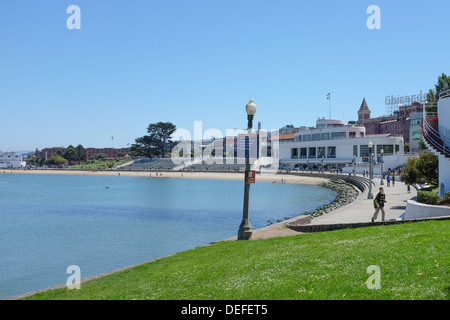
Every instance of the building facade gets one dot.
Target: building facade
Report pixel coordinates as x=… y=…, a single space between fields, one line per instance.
x=331 y=143
x=11 y=160
x=396 y=124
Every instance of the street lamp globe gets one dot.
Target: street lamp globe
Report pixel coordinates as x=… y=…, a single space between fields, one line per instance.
x=250 y=108
x=370 y=145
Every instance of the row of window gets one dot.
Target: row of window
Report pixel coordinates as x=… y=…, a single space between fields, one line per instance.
x=313 y=152
x=326 y=136
x=330 y=152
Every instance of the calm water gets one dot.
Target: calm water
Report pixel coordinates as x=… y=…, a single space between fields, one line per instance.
x=101 y=223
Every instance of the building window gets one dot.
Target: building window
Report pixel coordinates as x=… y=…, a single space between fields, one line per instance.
x=388 y=149
x=321 y=152
x=338 y=135
x=415 y=135
x=306 y=137
x=325 y=136
x=294 y=153
x=355 y=150
x=352 y=134
x=331 y=152
x=316 y=137
x=303 y=153
x=312 y=152
x=364 y=152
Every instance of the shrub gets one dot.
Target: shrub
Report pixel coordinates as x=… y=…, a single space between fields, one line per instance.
x=427 y=197
x=445 y=200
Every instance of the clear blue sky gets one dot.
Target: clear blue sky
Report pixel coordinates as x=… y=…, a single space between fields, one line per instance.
x=137 y=62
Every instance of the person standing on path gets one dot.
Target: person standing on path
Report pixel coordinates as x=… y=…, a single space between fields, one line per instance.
x=378 y=203
x=393 y=179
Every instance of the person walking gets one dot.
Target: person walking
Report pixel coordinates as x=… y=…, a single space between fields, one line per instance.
x=378 y=204
x=393 y=179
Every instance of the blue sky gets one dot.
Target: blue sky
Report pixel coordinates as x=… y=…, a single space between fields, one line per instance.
x=138 y=62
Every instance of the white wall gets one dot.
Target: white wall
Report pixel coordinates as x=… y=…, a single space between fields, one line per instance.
x=416 y=210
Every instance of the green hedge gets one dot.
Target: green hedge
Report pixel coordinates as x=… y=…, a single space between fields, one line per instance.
x=427 y=197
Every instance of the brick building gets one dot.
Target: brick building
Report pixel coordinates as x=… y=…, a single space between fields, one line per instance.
x=396 y=124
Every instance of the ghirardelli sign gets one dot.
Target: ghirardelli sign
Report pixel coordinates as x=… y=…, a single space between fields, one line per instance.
x=406 y=100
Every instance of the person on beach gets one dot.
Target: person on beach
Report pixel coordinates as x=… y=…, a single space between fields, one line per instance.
x=388 y=179
x=378 y=204
x=393 y=179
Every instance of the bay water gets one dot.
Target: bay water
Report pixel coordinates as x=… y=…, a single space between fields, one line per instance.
x=102 y=223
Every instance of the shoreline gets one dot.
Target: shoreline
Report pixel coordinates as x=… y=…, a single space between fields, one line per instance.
x=271 y=177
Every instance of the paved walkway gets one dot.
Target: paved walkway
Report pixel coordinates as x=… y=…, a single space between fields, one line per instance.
x=360 y=210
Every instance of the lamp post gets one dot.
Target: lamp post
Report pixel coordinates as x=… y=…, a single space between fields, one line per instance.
x=323 y=171
x=245 y=229
x=382 y=182
x=354 y=164
x=370 y=195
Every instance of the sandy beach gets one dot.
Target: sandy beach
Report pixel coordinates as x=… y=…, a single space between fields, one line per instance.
x=177 y=174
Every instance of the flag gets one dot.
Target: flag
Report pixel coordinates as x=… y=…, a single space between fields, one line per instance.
x=328 y=96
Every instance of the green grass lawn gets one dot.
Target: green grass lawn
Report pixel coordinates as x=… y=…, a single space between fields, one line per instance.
x=413 y=259
x=100 y=164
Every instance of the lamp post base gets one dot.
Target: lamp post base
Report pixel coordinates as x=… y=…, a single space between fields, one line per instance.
x=244 y=234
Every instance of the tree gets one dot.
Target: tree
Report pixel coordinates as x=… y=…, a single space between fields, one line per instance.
x=421 y=170
x=427 y=167
x=81 y=152
x=70 y=154
x=56 y=161
x=409 y=174
x=154 y=144
x=442 y=85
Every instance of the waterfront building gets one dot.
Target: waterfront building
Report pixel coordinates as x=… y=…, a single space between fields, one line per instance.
x=11 y=160
x=332 y=144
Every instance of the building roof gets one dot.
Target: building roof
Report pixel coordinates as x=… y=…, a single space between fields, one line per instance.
x=283 y=137
x=363 y=105
x=380 y=135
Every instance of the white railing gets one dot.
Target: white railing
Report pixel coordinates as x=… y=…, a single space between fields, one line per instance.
x=440 y=142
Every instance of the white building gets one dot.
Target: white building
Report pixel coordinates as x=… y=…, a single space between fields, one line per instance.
x=331 y=143
x=11 y=160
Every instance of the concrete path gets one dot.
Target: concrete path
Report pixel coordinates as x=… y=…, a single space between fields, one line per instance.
x=361 y=210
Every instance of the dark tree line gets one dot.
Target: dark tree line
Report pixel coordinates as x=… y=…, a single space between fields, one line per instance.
x=154 y=144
